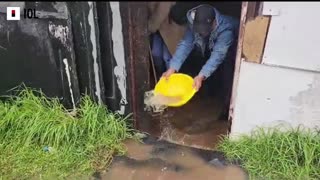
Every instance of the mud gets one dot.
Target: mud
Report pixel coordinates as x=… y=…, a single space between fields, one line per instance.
x=160 y=160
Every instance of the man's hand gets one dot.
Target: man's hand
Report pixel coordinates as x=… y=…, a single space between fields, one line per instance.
x=168 y=73
x=197 y=82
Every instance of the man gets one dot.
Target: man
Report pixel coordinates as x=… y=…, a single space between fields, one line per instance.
x=215 y=35
x=166 y=23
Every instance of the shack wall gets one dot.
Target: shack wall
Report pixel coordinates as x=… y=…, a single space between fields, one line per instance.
x=284 y=87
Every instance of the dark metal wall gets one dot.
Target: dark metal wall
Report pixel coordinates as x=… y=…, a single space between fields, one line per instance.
x=66 y=52
x=36 y=52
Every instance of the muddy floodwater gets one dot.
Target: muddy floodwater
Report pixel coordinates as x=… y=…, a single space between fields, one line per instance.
x=198 y=123
x=160 y=160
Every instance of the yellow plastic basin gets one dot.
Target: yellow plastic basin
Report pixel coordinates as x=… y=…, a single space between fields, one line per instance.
x=178 y=85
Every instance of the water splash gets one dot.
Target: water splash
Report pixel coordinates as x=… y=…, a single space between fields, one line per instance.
x=157 y=102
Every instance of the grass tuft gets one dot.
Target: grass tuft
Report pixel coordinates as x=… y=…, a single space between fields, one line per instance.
x=275 y=154
x=79 y=144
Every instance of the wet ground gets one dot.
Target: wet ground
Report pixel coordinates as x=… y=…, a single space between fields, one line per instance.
x=184 y=148
x=160 y=160
x=197 y=124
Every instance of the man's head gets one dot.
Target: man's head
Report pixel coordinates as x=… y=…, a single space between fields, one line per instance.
x=203 y=20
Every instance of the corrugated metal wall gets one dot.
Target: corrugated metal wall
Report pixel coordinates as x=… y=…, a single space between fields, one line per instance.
x=72 y=49
x=39 y=52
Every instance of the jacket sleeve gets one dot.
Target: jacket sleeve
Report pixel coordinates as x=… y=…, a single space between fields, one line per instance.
x=218 y=53
x=183 y=50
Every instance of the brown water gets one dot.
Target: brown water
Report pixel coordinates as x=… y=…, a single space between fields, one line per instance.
x=159 y=166
x=163 y=100
x=158 y=102
x=196 y=124
x=137 y=150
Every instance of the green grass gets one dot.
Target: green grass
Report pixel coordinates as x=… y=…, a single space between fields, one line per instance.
x=274 y=154
x=81 y=144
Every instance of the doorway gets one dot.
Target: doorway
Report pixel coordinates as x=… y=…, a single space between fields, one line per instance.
x=202 y=121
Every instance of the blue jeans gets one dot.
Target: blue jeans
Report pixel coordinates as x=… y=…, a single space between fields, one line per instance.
x=160 y=53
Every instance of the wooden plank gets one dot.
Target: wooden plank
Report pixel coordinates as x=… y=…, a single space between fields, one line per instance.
x=171 y=34
x=158 y=13
x=158 y=20
x=254 y=38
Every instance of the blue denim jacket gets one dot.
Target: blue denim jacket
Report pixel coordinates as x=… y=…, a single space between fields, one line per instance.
x=221 y=38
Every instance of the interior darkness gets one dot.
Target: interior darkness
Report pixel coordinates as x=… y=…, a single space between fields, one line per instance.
x=204 y=114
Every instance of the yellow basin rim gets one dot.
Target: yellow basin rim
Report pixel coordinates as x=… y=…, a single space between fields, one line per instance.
x=178 y=85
